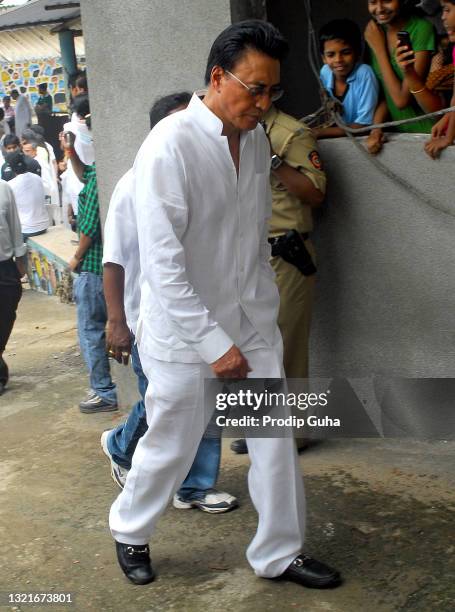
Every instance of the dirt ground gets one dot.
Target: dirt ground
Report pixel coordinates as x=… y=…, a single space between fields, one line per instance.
x=381 y=511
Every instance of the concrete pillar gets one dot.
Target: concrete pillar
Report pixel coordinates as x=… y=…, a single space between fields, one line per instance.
x=68 y=52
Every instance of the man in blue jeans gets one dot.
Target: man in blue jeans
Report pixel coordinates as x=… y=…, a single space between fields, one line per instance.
x=88 y=287
x=121 y=287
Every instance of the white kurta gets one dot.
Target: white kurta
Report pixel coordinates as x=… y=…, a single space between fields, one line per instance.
x=206 y=283
x=23 y=114
x=203 y=238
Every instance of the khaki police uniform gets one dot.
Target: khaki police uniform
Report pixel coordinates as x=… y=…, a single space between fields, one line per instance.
x=296 y=145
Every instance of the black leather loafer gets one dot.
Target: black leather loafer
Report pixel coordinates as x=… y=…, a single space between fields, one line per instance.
x=135 y=562
x=239 y=446
x=311 y=573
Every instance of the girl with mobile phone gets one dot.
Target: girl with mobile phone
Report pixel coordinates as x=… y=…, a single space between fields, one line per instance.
x=401 y=70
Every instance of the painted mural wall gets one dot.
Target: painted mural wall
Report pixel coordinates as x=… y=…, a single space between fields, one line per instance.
x=47 y=273
x=25 y=76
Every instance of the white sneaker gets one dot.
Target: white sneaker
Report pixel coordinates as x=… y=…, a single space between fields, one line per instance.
x=214 y=502
x=118 y=472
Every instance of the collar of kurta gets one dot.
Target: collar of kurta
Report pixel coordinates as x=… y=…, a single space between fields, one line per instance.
x=203 y=116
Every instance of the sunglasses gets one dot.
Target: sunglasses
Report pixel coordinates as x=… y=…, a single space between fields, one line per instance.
x=258 y=91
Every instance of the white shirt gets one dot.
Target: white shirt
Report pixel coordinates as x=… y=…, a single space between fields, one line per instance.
x=121 y=245
x=83 y=144
x=29 y=195
x=202 y=236
x=71 y=187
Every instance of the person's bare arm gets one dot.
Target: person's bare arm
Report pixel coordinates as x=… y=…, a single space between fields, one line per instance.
x=299 y=185
x=67 y=140
x=375 y=140
x=334 y=131
x=85 y=243
x=428 y=100
x=118 y=335
x=442 y=134
x=398 y=90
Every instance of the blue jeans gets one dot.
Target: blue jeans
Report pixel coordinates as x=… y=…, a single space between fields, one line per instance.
x=91 y=323
x=122 y=442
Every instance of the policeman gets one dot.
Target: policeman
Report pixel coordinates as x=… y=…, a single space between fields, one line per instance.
x=298 y=185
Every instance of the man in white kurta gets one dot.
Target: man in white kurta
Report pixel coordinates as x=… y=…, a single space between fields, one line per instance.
x=23 y=112
x=209 y=306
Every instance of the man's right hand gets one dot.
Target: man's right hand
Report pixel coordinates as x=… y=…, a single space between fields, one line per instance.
x=118 y=341
x=231 y=365
x=67 y=140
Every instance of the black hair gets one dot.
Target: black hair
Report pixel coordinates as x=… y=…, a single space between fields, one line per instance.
x=165 y=105
x=81 y=81
x=73 y=78
x=81 y=106
x=6 y=98
x=341 y=29
x=16 y=159
x=411 y=7
x=14 y=92
x=29 y=136
x=42 y=86
x=239 y=37
x=38 y=129
x=11 y=139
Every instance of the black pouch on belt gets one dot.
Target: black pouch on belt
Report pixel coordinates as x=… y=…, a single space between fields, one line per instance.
x=292 y=249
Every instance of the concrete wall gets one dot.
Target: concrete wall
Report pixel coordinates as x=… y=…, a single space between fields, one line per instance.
x=386 y=290
x=162 y=46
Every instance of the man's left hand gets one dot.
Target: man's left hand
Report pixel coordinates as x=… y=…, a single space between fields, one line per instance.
x=21 y=266
x=73 y=263
x=118 y=341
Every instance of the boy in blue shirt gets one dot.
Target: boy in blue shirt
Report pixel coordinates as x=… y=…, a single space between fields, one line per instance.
x=345 y=77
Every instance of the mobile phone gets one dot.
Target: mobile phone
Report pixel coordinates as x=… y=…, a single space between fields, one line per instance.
x=405 y=40
x=68 y=136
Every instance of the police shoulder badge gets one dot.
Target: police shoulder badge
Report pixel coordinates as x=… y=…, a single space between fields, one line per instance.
x=315 y=159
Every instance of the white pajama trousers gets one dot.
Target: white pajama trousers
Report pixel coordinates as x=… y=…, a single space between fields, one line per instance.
x=164 y=455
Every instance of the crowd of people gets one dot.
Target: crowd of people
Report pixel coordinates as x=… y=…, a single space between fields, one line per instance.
x=197 y=279
x=35 y=191
x=402 y=70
